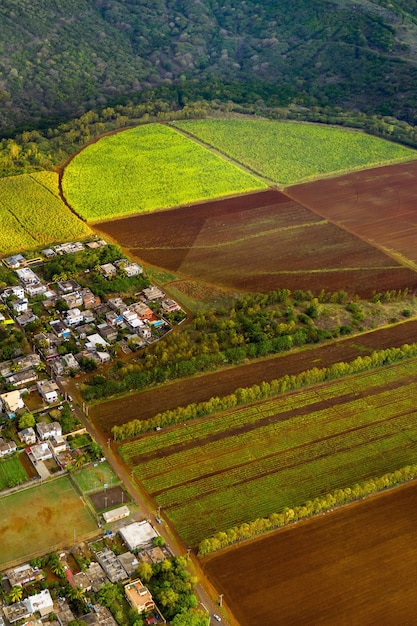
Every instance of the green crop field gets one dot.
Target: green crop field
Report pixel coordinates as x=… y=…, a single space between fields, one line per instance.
x=41 y=519
x=93 y=477
x=146 y=168
x=291 y=152
x=32 y=214
x=236 y=466
x=11 y=472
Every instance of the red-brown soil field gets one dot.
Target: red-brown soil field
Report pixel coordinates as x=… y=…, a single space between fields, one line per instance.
x=259 y=242
x=378 y=205
x=200 y=388
x=356 y=565
x=107 y=498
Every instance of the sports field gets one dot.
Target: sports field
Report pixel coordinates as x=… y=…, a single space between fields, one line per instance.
x=149 y=167
x=290 y=152
x=32 y=214
x=42 y=518
x=93 y=477
x=233 y=467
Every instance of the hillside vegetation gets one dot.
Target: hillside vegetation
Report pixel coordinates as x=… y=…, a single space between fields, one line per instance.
x=59 y=59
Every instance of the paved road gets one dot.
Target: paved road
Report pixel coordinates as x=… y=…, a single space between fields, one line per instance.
x=204 y=591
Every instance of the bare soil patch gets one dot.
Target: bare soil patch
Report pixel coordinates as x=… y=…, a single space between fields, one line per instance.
x=259 y=242
x=200 y=388
x=355 y=565
x=377 y=205
x=108 y=497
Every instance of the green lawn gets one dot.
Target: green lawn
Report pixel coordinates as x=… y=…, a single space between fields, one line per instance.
x=32 y=214
x=12 y=472
x=42 y=519
x=93 y=477
x=247 y=463
x=149 y=167
x=291 y=152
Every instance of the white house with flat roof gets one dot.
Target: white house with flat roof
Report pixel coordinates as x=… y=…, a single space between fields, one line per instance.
x=48 y=390
x=11 y=401
x=41 y=602
x=138 y=534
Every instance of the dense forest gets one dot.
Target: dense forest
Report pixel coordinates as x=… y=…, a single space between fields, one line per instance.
x=59 y=59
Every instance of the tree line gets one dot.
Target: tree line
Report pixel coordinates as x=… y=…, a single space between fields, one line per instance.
x=264 y=390
x=321 y=504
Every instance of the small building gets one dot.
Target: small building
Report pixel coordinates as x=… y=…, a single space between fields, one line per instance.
x=96 y=576
x=48 y=253
x=48 y=390
x=26 y=318
x=40 y=602
x=36 y=290
x=68 y=286
x=46 y=431
x=11 y=401
x=130 y=269
x=20 y=306
x=17 y=291
x=113 y=516
x=39 y=452
x=70 y=362
x=15 y=261
x=138 y=534
x=19 y=379
x=95 y=340
x=99 y=616
x=27 y=276
x=129 y=562
x=117 y=304
x=81 y=581
x=109 y=333
x=113 y=568
x=27 y=436
x=169 y=306
x=153 y=293
x=73 y=299
x=16 y=612
x=139 y=596
x=60 y=329
x=89 y=299
x=7 y=447
x=19 y=576
x=109 y=270
x=58 y=444
x=74 y=317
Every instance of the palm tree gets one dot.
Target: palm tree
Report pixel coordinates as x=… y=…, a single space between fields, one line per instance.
x=15 y=594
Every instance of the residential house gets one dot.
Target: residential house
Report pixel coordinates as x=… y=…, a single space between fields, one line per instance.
x=20 y=306
x=145 y=332
x=89 y=316
x=58 y=444
x=46 y=431
x=28 y=361
x=40 y=603
x=74 y=317
x=153 y=293
x=113 y=319
x=20 y=379
x=69 y=248
x=83 y=330
x=16 y=612
x=89 y=299
x=69 y=362
x=107 y=332
x=96 y=576
x=36 y=290
x=139 y=596
x=27 y=436
x=129 y=562
x=15 y=261
x=138 y=534
x=132 y=320
x=17 y=291
x=39 y=452
x=48 y=390
x=100 y=616
x=11 y=401
x=169 y=306
x=7 y=447
x=117 y=304
x=73 y=299
x=130 y=269
x=109 y=270
x=95 y=340
x=26 y=318
x=19 y=576
x=93 y=245
x=68 y=286
x=111 y=565
x=59 y=329
x=27 y=276
x=49 y=253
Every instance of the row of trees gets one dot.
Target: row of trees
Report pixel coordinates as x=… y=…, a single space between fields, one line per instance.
x=265 y=390
x=321 y=504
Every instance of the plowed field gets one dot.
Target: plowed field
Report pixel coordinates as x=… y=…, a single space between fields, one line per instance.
x=259 y=242
x=198 y=389
x=356 y=565
x=378 y=205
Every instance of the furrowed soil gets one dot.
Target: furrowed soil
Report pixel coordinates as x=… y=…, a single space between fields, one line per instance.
x=355 y=565
x=377 y=205
x=148 y=403
x=259 y=242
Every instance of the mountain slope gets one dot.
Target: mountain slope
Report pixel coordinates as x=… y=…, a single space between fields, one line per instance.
x=62 y=58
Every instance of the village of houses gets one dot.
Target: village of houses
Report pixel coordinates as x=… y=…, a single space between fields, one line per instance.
x=44 y=317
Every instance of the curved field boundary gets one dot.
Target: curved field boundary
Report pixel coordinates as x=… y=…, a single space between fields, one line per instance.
x=147 y=168
x=292 y=152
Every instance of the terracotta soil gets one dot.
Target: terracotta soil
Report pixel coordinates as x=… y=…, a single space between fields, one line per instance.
x=258 y=242
x=200 y=388
x=355 y=565
x=378 y=205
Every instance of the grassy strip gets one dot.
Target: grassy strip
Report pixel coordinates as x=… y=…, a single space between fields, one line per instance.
x=11 y=473
x=290 y=152
x=322 y=504
x=146 y=168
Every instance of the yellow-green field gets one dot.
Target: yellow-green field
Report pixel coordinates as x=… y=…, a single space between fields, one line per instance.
x=146 y=168
x=291 y=152
x=32 y=214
